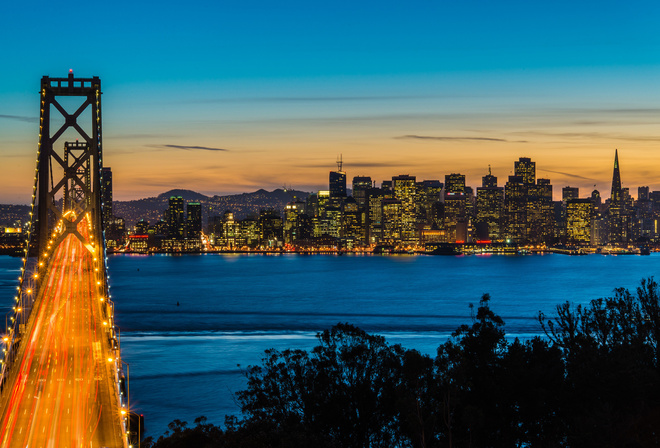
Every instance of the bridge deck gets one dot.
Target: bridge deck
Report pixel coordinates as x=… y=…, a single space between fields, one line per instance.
x=62 y=389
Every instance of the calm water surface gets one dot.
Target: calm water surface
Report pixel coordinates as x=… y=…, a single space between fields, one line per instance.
x=184 y=359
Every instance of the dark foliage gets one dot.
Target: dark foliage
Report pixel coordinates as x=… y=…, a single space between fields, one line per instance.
x=594 y=381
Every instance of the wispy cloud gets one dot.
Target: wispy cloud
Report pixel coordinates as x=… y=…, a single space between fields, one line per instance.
x=443 y=138
x=136 y=136
x=316 y=99
x=189 y=147
x=593 y=135
x=575 y=176
x=20 y=118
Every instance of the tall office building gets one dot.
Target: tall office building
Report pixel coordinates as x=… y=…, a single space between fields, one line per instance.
x=515 y=206
x=351 y=231
x=106 y=195
x=338 y=181
x=429 y=192
x=570 y=193
x=337 y=184
x=194 y=220
x=374 y=214
x=618 y=218
x=489 y=208
x=175 y=218
x=455 y=210
x=391 y=221
x=540 y=212
x=360 y=186
x=579 y=213
x=616 y=195
x=405 y=190
x=454 y=183
x=526 y=169
x=292 y=222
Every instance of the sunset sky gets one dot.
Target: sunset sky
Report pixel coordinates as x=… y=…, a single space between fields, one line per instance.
x=231 y=96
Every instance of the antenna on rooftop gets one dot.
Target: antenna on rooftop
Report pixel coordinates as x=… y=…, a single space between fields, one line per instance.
x=339 y=162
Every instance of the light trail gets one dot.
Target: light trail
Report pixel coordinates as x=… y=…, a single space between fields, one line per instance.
x=61 y=391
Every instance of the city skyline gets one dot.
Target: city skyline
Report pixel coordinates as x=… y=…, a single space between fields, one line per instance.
x=225 y=99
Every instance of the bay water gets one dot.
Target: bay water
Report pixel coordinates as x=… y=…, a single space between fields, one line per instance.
x=190 y=324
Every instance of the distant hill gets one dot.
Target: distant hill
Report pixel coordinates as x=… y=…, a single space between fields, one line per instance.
x=241 y=205
x=187 y=195
x=152 y=208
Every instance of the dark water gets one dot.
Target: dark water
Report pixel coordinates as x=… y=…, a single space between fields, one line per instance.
x=183 y=359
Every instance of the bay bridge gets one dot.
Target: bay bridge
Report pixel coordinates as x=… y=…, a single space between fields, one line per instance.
x=62 y=379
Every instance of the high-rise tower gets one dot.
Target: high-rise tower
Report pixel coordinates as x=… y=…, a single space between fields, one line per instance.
x=338 y=181
x=526 y=169
x=106 y=195
x=617 y=192
x=619 y=223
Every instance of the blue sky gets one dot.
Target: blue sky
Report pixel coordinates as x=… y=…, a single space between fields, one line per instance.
x=284 y=87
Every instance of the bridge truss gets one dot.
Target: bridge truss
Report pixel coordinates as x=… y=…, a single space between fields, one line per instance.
x=66 y=206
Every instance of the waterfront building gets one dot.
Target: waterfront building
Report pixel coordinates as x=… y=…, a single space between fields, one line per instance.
x=270 y=228
x=352 y=233
x=138 y=243
x=106 y=195
x=374 y=214
x=160 y=227
x=292 y=221
x=320 y=205
x=540 y=212
x=455 y=220
x=455 y=217
x=644 y=224
x=515 y=209
x=579 y=213
x=391 y=221
x=227 y=231
x=194 y=220
x=142 y=227
x=489 y=209
x=405 y=190
x=249 y=234
x=429 y=192
x=175 y=218
x=115 y=233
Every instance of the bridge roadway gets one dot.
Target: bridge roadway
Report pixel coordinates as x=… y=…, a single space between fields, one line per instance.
x=61 y=390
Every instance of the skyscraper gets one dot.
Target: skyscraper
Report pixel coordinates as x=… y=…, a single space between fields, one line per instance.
x=360 y=186
x=405 y=190
x=454 y=183
x=490 y=204
x=579 y=213
x=338 y=181
x=175 y=218
x=618 y=218
x=570 y=193
x=194 y=220
x=526 y=169
x=616 y=196
x=106 y=195
x=515 y=206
